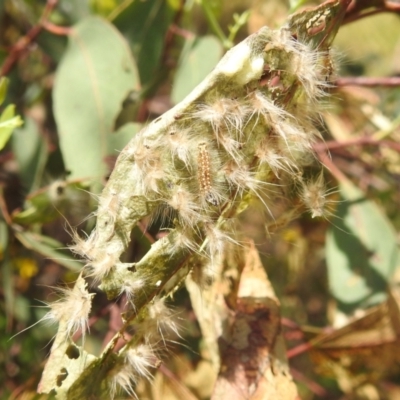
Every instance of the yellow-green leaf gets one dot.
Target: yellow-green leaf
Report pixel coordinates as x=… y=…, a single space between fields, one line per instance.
x=3 y=89
x=8 y=122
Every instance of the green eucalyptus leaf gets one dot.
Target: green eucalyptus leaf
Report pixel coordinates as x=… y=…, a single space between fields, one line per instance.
x=145 y=24
x=40 y=206
x=122 y=136
x=361 y=251
x=49 y=248
x=199 y=57
x=50 y=202
x=30 y=151
x=95 y=76
x=22 y=309
x=75 y=10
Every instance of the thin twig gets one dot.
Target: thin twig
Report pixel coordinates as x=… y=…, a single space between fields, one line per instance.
x=176 y=30
x=56 y=29
x=215 y=25
x=3 y=208
x=23 y=43
x=299 y=349
x=150 y=296
x=387 y=81
x=361 y=141
x=146 y=234
x=176 y=382
x=357 y=11
x=344 y=4
x=334 y=170
x=311 y=385
x=172 y=31
x=119 y=9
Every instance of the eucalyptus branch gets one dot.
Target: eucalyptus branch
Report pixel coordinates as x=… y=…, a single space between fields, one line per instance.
x=24 y=42
x=247 y=126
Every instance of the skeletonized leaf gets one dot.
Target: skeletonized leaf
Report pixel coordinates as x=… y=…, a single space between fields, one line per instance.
x=125 y=201
x=67 y=361
x=240 y=320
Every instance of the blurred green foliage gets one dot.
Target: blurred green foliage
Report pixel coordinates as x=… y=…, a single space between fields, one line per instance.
x=8 y=120
x=90 y=76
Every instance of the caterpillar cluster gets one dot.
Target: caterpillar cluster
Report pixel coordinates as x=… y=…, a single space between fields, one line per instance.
x=247 y=129
x=228 y=143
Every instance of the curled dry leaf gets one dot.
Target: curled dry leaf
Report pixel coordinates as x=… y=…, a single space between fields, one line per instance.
x=363 y=351
x=240 y=312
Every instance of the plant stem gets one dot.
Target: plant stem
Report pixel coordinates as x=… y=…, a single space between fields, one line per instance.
x=215 y=25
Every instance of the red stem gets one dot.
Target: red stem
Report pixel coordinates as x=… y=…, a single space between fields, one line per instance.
x=56 y=29
x=361 y=141
x=311 y=385
x=23 y=43
x=356 y=10
x=388 y=81
x=332 y=168
x=300 y=349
